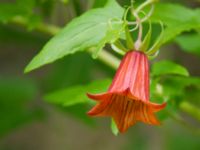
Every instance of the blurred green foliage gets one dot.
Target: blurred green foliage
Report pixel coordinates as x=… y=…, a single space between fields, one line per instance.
x=189 y=43
x=16 y=103
x=66 y=81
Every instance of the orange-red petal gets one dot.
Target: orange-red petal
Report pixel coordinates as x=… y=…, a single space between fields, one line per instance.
x=127 y=99
x=132 y=74
x=125 y=111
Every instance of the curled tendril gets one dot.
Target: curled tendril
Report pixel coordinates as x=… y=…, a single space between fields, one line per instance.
x=119 y=48
x=139 y=21
x=154 y=55
x=115 y=20
x=135 y=28
x=137 y=24
x=140 y=30
x=147 y=16
x=126 y=13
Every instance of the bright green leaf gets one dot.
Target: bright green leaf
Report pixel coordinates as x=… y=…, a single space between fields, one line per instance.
x=114 y=128
x=77 y=94
x=113 y=33
x=175 y=14
x=82 y=33
x=177 y=18
x=172 y=32
x=99 y=3
x=168 y=67
x=189 y=43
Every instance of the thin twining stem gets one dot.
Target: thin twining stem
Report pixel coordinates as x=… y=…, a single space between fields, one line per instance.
x=139 y=39
x=147 y=16
x=143 y=5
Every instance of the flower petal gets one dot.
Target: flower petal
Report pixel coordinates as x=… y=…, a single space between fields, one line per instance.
x=97 y=97
x=125 y=111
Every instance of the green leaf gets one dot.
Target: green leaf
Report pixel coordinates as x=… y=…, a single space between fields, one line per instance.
x=79 y=112
x=189 y=43
x=165 y=85
x=173 y=14
x=61 y=78
x=99 y=3
x=168 y=67
x=113 y=33
x=174 y=89
x=81 y=34
x=179 y=82
x=77 y=94
x=114 y=128
x=172 y=32
x=177 y=18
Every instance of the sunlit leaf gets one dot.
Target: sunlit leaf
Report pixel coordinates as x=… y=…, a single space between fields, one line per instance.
x=113 y=33
x=168 y=67
x=99 y=3
x=76 y=94
x=189 y=43
x=177 y=18
x=82 y=33
x=174 y=14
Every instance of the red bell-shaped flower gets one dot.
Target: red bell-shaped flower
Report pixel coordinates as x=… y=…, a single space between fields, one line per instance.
x=127 y=99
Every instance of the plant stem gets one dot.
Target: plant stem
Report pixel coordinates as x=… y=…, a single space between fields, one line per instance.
x=52 y=30
x=139 y=39
x=42 y=27
x=190 y=109
x=103 y=56
x=109 y=59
